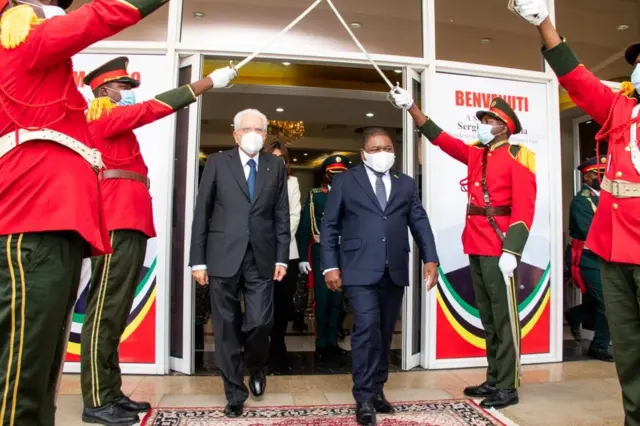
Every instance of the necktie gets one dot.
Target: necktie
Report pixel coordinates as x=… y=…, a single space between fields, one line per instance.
x=381 y=192
x=251 y=181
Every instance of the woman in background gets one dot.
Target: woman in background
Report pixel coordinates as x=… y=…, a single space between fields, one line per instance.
x=283 y=291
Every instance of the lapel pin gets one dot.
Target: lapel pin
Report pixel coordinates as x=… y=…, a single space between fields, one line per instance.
x=395 y=176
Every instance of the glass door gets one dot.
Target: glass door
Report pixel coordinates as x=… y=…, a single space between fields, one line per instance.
x=187 y=145
x=412 y=317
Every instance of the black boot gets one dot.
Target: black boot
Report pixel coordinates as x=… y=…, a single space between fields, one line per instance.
x=600 y=354
x=135 y=407
x=480 y=391
x=365 y=414
x=109 y=415
x=501 y=399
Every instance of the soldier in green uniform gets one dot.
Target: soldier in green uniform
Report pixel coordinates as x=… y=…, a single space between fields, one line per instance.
x=328 y=304
x=585 y=265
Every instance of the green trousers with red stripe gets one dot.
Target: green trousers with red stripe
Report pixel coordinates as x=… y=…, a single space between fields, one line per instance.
x=39 y=278
x=114 y=279
x=492 y=301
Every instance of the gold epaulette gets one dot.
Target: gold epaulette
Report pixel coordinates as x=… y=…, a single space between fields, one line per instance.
x=627 y=89
x=16 y=24
x=98 y=107
x=524 y=156
x=585 y=193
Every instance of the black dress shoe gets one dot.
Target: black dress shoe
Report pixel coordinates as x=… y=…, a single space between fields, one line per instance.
x=381 y=404
x=574 y=327
x=257 y=383
x=109 y=415
x=233 y=410
x=501 y=399
x=365 y=414
x=299 y=326
x=600 y=354
x=136 y=407
x=481 y=391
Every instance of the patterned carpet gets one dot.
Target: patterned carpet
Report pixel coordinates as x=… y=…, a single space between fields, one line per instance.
x=459 y=412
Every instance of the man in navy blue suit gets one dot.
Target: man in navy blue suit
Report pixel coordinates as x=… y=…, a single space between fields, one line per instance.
x=365 y=251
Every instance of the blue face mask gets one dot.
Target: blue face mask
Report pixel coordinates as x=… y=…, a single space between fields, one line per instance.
x=484 y=133
x=127 y=97
x=635 y=78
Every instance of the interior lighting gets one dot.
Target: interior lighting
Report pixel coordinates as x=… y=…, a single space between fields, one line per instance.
x=355 y=25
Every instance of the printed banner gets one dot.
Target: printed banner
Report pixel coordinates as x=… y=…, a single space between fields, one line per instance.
x=459 y=330
x=138 y=343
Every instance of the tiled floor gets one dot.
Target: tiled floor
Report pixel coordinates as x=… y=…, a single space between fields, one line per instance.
x=584 y=393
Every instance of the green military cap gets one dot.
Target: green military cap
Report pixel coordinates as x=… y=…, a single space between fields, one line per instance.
x=593 y=164
x=336 y=164
x=113 y=71
x=501 y=110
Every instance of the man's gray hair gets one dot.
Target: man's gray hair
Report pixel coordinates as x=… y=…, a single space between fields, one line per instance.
x=237 y=120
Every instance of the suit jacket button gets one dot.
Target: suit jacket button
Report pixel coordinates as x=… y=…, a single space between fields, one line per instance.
x=384 y=239
x=384 y=217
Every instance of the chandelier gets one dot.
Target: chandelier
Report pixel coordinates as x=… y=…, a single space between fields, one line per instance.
x=287 y=132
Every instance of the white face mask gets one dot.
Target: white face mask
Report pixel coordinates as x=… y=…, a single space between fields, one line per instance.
x=47 y=10
x=635 y=78
x=251 y=143
x=380 y=162
x=484 y=133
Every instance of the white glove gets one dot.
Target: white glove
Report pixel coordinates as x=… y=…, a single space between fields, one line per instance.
x=507 y=264
x=305 y=268
x=401 y=98
x=222 y=77
x=534 y=11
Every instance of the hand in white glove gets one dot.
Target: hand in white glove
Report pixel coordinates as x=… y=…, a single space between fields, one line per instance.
x=534 y=11
x=222 y=77
x=305 y=267
x=401 y=98
x=507 y=264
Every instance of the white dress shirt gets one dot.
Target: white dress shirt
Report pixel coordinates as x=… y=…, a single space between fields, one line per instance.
x=386 y=179
x=244 y=160
x=295 y=208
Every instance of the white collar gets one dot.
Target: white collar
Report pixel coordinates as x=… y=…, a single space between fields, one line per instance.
x=244 y=158
x=594 y=190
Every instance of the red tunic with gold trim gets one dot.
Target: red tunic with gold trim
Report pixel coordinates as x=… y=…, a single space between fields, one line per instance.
x=45 y=186
x=127 y=202
x=511 y=182
x=617 y=217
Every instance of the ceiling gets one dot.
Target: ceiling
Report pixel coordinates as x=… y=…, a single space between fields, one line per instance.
x=332 y=117
x=394 y=27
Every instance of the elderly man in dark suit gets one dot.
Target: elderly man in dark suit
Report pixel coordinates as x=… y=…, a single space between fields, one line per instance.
x=240 y=244
x=365 y=245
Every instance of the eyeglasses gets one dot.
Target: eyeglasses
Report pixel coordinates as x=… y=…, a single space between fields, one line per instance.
x=258 y=130
x=385 y=148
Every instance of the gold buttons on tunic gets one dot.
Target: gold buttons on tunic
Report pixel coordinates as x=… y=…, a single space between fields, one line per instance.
x=477 y=184
x=615 y=206
x=618 y=174
x=627 y=148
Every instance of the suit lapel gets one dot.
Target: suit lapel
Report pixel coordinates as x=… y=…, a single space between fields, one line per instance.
x=264 y=170
x=237 y=170
x=365 y=183
x=395 y=179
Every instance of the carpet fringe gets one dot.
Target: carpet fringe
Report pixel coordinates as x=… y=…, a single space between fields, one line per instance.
x=504 y=419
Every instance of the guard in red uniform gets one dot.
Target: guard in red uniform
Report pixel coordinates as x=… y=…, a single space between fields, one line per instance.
x=50 y=207
x=618 y=212
x=124 y=185
x=502 y=196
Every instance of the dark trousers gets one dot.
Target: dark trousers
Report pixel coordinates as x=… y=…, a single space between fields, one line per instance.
x=114 y=279
x=621 y=287
x=376 y=309
x=576 y=315
x=229 y=327
x=328 y=305
x=39 y=278
x=491 y=297
x=282 y=307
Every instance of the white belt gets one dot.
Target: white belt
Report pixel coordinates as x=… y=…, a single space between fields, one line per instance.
x=621 y=188
x=91 y=155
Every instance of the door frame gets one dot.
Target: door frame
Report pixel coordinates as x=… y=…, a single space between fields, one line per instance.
x=185 y=364
x=410 y=359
